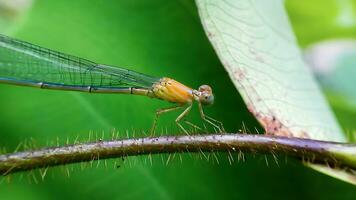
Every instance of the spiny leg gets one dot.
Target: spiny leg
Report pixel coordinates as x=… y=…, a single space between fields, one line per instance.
x=181 y=116
x=196 y=127
x=221 y=125
x=159 y=112
x=210 y=120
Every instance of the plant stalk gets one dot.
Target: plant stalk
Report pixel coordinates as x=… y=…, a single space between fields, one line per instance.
x=340 y=155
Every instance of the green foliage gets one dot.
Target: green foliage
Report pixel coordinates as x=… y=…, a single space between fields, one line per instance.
x=318 y=20
x=322 y=19
x=157 y=37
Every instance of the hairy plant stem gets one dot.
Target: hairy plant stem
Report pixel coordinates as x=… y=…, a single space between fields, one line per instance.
x=339 y=155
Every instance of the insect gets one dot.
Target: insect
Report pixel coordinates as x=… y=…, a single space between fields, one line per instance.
x=25 y=64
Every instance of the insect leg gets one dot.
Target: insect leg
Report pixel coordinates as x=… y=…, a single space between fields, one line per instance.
x=159 y=112
x=211 y=120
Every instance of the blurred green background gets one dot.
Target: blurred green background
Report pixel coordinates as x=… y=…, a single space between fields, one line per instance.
x=160 y=38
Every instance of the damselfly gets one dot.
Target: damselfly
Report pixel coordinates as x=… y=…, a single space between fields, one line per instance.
x=25 y=64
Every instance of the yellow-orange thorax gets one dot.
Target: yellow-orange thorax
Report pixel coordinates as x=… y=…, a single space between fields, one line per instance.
x=172 y=91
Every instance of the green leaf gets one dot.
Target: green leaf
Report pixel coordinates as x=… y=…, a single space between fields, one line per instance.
x=257 y=47
x=333 y=62
x=156 y=37
x=152 y=37
x=318 y=20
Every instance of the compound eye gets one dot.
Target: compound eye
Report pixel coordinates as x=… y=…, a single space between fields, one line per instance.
x=205 y=88
x=207 y=99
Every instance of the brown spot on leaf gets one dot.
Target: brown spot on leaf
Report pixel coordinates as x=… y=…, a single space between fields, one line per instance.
x=239 y=73
x=273 y=126
x=210 y=34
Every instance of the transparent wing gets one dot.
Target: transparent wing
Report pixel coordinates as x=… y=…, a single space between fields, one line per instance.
x=26 y=62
